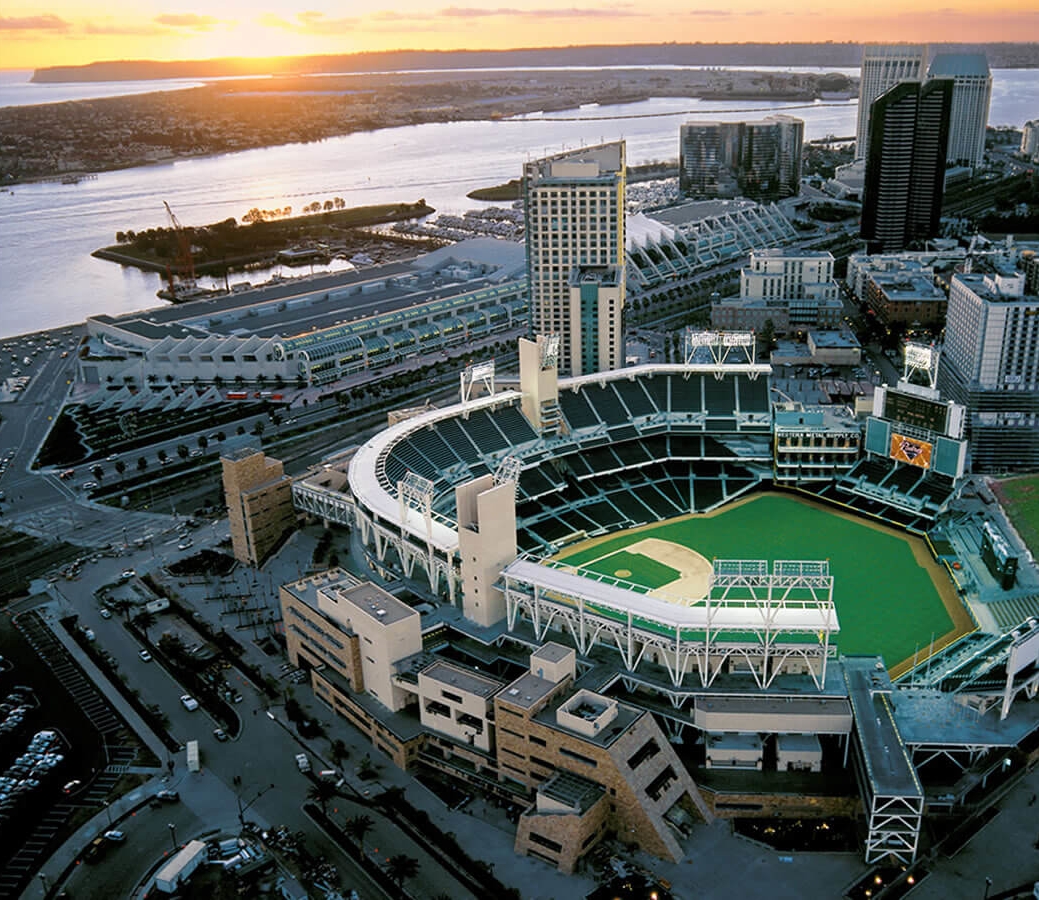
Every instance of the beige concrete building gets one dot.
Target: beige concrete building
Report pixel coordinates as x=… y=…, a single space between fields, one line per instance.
x=355 y=630
x=258 y=494
x=458 y=703
x=486 y=544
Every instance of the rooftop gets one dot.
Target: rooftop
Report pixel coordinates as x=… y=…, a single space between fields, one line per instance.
x=464 y=679
x=949 y=65
x=526 y=690
x=552 y=652
x=373 y=601
x=572 y=790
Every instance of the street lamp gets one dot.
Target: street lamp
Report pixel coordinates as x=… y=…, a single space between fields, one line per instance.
x=988 y=884
x=108 y=809
x=242 y=809
x=173 y=833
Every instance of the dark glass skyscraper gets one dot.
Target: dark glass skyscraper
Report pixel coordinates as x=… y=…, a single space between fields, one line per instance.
x=905 y=164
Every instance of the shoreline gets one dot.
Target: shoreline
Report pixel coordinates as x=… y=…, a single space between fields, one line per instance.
x=222 y=116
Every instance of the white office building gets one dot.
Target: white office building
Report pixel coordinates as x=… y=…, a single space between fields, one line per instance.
x=971 y=96
x=990 y=364
x=884 y=66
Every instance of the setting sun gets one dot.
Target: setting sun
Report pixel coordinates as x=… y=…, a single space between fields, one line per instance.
x=73 y=33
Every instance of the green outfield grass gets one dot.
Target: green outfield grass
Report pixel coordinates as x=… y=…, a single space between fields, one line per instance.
x=886 y=602
x=644 y=569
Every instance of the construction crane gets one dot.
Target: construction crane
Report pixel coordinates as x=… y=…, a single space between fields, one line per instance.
x=184 y=264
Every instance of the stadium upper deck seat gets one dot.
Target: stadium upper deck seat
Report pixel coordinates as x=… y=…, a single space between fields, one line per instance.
x=657 y=391
x=576 y=410
x=635 y=398
x=483 y=432
x=413 y=460
x=432 y=446
x=662 y=506
x=904 y=478
x=753 y=394
x=458 y=440
x=535 y=482
x=632 y=453
x=686 y=394
x=606 y=403
x=719 y=396
x=513 y=424
x=708 y=492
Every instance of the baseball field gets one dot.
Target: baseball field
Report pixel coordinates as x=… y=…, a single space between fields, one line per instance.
x=891 y=597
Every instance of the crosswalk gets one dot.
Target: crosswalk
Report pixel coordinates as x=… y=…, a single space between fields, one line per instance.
x=88 y=526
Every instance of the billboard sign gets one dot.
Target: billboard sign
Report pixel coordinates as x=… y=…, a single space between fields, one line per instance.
x=910 y=450
x=482 y=370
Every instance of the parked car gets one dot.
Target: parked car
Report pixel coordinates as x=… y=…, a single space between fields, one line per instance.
x=116 y=836
x=185 y=544
x=129 y=573
x=167 y=796
x=220 y=734
x=106 y=613
x=190 y=703
x=145 y=655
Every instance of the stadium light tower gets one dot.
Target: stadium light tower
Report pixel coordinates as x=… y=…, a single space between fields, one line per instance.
x=719 y=345
x=477 y=373
x=922 y=359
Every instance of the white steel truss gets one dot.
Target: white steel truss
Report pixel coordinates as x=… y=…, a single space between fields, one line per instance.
x=333 y=506
x=751 y=618
x=894 y=828
x=717 y=347
x=476 y=374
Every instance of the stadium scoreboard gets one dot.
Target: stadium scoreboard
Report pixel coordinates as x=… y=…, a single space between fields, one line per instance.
x=932 y=415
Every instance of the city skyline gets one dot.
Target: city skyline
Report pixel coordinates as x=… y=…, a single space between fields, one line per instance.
x=75 y=32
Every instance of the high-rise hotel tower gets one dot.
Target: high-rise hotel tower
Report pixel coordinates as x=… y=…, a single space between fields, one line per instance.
x=971 y=96
x=575 y=254
x=884 y=66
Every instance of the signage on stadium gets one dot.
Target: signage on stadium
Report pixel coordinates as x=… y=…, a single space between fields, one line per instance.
x=482 y=370
x=910 y=450
x=737 y=339
x=919 y=356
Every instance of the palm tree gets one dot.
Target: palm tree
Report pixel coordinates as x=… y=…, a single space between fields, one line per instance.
x=123 y=605
x=182 y=451
x=120 y=467
x=359 y=826
x=400 y=867
x=321 y=792
x=144 y=620
x=339 y=751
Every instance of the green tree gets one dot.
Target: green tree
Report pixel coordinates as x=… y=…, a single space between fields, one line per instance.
x=401 y=867
x=259 y=428
x=142 y=463
x=163 y=456
x=321 y=792
x=120 y=467
x=182 y=451
x=202 y=442
x=98 y=473
x=358 y=827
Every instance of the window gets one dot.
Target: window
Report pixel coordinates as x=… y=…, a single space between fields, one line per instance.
x=536 y=740
x=447 y=695
x=587 y=760
x=554 y=846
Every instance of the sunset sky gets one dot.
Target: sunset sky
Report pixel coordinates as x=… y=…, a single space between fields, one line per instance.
x=69 y=32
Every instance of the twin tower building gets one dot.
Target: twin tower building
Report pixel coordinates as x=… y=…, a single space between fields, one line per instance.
x=915 y=122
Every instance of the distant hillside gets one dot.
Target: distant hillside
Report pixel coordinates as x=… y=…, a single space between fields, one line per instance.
x=1002 y=55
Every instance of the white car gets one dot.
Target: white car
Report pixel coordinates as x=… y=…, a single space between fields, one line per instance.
x=129 y=573
x=106 y=613
x=190 y=703
x=185 y=544
x=115 y=835
x=145 y=655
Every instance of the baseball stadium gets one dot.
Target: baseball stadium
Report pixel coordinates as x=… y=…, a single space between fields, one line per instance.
x=780 y=589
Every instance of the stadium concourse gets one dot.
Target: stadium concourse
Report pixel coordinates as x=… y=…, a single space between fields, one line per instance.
x=529 y=529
